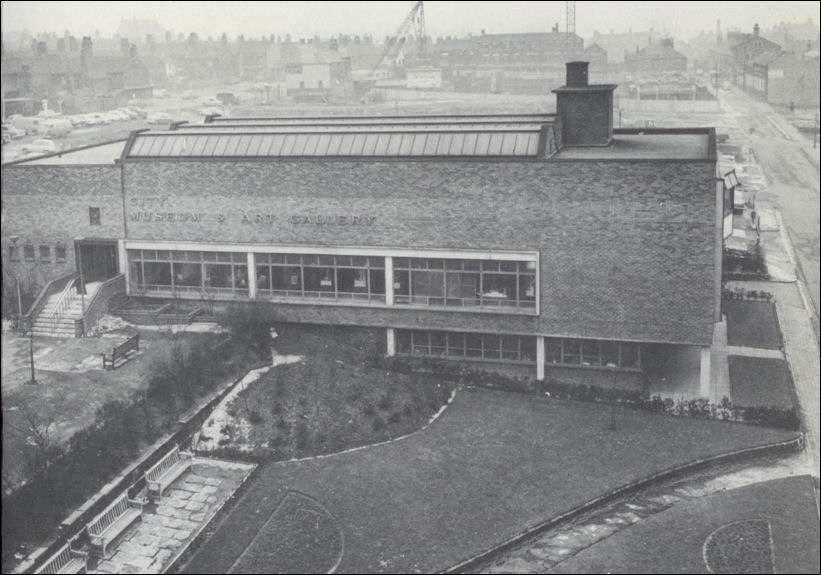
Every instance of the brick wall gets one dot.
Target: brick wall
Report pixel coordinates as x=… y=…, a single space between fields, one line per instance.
x=626 y=247
x=48 y=205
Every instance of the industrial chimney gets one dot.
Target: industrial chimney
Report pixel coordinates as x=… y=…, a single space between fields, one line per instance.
x=586 y=110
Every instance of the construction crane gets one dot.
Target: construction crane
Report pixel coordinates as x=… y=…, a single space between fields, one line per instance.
x=570 y=28
x=412 y=25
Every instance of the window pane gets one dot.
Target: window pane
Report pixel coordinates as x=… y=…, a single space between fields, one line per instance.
x=319 y=279
x=590 y=352
x=437 y=343
x=240 y=277
x=491 y=344
x=352 y=280
x=218 y=276
x=498 y=288
x=429 y=287
x=473 y=345
x=157 y=273
x=609 y=354
x=377 y=282
x=403 y=341
x=630 y=355
x=286 y=278
x=263 y=278
x=45 y=253
x=528 y=348
x=456 y=344
x=553 y=350
x=463 y=288
x=189 y=275
x=401 y=282
x=572 y=351
x=527 y=288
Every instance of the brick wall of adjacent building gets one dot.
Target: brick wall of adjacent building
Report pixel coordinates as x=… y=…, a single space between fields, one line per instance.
x=49 y=206
x=626 y=248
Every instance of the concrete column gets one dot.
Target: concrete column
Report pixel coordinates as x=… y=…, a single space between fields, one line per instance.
x=539 y=358
x=391 y=342
x=122 y=262
x=389 y=285
x=704 y=373
x=252 y=276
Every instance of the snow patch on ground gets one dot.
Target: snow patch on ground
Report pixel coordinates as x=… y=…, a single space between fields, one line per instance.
x=223 y=428
x=108 y=323
x=198 y=327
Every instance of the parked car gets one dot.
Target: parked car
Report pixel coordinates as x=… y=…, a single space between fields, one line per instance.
x=12 y=132
x=159 y=118
x=227 y=98
x=211 y=102
x=28 y=124
x=189 y=95
x=41 y=147
x=138 y=112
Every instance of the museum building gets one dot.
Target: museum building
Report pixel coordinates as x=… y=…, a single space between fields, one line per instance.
x=552 y=242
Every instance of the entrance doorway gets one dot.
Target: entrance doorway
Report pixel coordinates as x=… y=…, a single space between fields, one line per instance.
x=97 y=260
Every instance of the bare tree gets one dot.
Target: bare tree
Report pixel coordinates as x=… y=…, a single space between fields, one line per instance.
x=37 y=427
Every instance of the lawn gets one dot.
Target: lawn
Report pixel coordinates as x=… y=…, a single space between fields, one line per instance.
x=491 y=466
x=769 y=527
x=752 y=324
x=760 y=382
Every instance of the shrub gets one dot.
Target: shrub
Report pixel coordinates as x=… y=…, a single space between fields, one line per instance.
x=378 y=424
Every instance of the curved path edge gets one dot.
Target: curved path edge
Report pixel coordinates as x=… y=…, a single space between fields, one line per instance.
x=793 y=445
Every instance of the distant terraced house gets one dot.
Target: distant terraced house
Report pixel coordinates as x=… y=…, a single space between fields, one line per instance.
x=550 y=245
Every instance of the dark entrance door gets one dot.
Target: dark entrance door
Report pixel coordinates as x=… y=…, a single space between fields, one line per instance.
x=98 y=260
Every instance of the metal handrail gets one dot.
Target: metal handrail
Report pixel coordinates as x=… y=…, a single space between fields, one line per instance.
x=64 y=301
x=40 y=302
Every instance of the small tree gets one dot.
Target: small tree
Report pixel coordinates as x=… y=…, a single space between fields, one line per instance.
x=37 y=427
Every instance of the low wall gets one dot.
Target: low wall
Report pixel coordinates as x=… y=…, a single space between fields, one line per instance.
x=697 y=106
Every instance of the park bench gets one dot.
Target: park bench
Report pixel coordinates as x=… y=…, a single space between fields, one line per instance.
x=120 y=352
x=113 y=521
x=67 y=560
x=166 y=470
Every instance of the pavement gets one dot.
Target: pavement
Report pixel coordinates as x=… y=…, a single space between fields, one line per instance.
x=790 y=165
x=169 y=526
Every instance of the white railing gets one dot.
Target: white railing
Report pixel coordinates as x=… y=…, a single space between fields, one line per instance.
x=64 y=301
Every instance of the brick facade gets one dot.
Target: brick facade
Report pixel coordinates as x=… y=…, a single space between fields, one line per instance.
x=626 y=248
x=49 y=206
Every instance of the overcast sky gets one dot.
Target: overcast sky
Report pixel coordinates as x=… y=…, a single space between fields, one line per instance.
x=304 y=19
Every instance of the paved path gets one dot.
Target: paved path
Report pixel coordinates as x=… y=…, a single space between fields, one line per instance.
x=556 y=549
x=755 y=352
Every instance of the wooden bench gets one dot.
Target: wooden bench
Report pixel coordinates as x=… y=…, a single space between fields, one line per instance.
x=131 y=344
x=113 y=521
x=166 y=470
x=67 y=560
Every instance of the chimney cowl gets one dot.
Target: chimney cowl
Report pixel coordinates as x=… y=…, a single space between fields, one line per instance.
x=576 y=74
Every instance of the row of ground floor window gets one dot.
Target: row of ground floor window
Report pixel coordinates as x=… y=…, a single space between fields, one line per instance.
x=518 y=348
x=451 y=282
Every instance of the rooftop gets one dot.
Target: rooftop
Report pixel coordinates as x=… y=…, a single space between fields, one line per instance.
x=100 y=154
x=646 y=145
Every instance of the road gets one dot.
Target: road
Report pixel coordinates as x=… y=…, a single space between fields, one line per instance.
x=793 y=181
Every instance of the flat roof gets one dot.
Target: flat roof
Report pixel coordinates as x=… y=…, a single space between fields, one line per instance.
x=392 y=120
x=100 y=154
x=645 y=146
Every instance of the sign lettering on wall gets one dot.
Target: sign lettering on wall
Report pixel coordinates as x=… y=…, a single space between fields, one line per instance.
x=156 y=210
